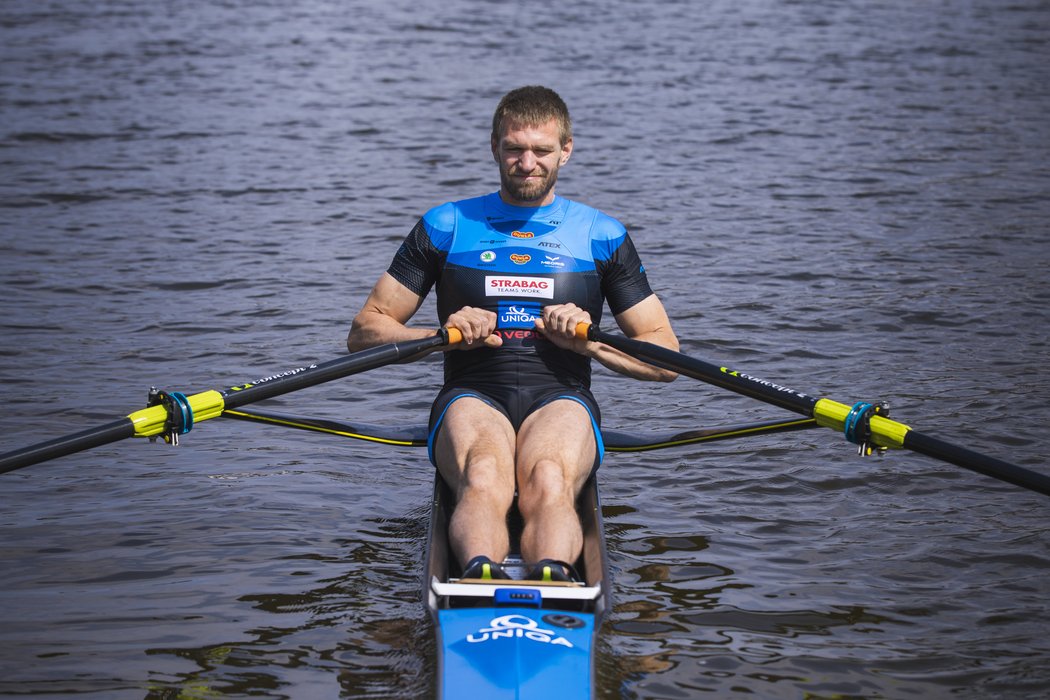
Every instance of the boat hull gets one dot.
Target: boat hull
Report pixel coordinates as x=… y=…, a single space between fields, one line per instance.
x=515 y=653
x=517 y=639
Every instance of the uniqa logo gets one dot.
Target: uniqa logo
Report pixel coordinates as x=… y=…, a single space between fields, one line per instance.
x=517 y=627
x=518 y=314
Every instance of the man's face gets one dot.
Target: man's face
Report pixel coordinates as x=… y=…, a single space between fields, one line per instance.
x=529 y=156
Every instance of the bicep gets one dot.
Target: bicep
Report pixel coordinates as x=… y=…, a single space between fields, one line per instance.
x=647 y=320
x=391 y=298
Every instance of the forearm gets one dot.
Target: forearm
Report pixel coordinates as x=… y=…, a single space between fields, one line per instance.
x=622 y=363
x=371 y=328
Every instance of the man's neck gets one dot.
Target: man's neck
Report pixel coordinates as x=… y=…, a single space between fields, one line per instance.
x=507 y=199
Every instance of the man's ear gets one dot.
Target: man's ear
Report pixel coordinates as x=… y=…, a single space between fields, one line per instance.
x=566 y=151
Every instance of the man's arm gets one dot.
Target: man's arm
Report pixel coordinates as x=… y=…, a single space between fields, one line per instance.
x=382 y=318
x=647 y=320
x=391 y=304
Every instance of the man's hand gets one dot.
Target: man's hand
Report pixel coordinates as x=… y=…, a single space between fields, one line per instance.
x=558 y=325
x=477 y=326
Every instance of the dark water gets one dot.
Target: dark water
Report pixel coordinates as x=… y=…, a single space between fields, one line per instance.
x=849 y=198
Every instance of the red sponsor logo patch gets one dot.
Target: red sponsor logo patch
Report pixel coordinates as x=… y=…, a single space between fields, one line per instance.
x=522 y=234
x=515 y=334
x=520 y=283
x=520 y=258
x=535 y=287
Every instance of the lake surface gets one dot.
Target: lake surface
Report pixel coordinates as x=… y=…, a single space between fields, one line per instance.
x=848 y=198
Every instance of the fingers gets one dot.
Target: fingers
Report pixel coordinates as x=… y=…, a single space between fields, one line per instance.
x=558 y=324
x=476 y=325
x=561 y=319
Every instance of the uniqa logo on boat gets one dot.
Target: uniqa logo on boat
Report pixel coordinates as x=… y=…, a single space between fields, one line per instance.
x=517 y=627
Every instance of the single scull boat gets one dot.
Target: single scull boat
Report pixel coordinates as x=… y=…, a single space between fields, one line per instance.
x=519 y=639
x=516 y=639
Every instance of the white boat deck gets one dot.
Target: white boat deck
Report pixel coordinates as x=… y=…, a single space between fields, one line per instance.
x=477 y=588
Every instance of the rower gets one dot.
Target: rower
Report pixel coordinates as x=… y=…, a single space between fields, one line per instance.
x=515 y=271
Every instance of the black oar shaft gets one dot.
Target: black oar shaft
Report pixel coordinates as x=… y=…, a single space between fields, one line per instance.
x=706 y=372
x=828 y=413
x=338 y=368
x=154 y=420
x=67 y=445
x=983 y=464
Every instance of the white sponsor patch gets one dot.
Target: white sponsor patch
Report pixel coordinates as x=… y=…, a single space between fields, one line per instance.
x=517 y=627
x=535 y=287
x=552 y=261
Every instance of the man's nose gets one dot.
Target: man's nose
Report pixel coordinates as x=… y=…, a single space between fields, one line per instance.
x=527 y=161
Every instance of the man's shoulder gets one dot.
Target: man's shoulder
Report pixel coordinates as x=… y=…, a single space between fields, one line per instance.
x=603 y=227
x=443 y=217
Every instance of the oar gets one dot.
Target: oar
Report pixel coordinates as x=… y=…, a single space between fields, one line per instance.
x=863 y=423
x=172 y=414
x=615 y=440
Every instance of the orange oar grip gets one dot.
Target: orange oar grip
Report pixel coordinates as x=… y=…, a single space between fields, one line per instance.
x=454 y=336
x=581 y=330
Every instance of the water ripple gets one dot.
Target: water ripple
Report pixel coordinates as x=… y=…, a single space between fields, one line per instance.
x=845 y=198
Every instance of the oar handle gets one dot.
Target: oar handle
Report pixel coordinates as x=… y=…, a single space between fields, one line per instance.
x=583 y=330
x=452 y=335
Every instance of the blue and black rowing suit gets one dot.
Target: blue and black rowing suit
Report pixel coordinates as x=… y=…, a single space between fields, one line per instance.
x=513 y=261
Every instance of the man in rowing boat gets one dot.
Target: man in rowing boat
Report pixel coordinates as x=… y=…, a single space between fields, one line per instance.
x=516 y=271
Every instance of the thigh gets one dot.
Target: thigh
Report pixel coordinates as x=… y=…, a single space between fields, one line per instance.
x=474 y=441
x=559 y=432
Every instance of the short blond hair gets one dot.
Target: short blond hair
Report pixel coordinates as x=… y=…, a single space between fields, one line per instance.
x=532 y=105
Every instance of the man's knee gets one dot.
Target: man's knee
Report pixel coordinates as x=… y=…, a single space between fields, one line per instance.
x=490 y=478
x=547 y=486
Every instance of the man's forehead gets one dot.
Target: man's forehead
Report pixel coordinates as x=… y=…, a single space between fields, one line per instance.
x=516 y=129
